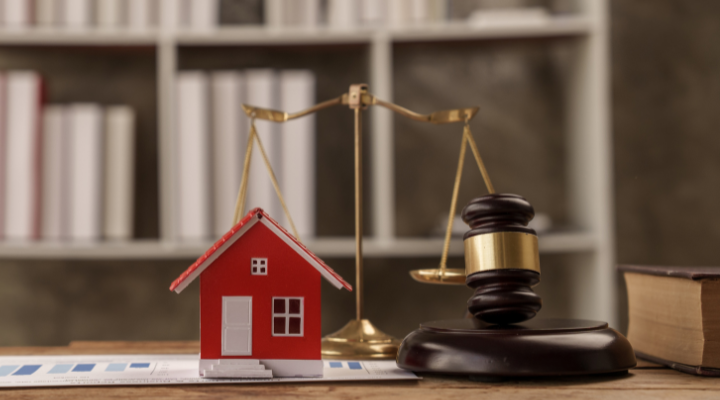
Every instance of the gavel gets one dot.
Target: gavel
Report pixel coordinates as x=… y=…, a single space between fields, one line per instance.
x=501 y=259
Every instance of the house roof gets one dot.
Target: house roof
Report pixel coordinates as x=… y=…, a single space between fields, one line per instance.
x=256 y=215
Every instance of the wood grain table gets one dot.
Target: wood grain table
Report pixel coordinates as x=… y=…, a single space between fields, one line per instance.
x=647 y=381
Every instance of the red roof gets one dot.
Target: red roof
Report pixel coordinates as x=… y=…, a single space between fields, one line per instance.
x=258 y=213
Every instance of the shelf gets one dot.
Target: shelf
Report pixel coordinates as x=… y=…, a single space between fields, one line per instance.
x=259 y=35
x=326 y=247
x=556 y=26
x=89 y=37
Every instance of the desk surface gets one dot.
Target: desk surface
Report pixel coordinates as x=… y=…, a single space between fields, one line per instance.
x=647 y=381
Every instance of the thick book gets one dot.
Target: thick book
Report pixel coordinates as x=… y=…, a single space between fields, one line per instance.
x=193 y=156
x=674 y=316
x=86 y=171
x=119 y=188
x=297 y=92
x=77 y=14
x=55 y=174
x=171 y=14
x=140 y=14
x=22 y=162
x=16 y=14
x=262 y=91
x=343 y=14
x=203 y=14
x=110 y=14
x=47 y=13
x=229 y=138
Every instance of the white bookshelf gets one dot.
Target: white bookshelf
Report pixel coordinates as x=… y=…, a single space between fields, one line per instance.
x=589 y=140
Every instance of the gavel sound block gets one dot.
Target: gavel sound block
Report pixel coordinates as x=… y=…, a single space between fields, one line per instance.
x=501 y=338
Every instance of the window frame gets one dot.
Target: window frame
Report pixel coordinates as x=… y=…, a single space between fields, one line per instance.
x=259 y=261
x=287 y=316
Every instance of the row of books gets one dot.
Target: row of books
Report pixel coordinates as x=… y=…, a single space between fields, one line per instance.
x=346 y=14
x=66 y=171
x=212 y=134
x=132 y=15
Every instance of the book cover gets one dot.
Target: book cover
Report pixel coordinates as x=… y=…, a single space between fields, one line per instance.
x=119 y=179
x=262 y=91
x=22 y=185
x=47 y=13
x=77 y=14
x=139 y=14
x=343 y=14
x=297 y=92
x=110 y=14
x=193 y=156
x=86 y=171
x=229 y=137
x=55 y=174
x=203 y=14
x=15 y=14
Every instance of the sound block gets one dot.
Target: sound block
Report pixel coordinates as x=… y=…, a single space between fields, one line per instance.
x=539 y=347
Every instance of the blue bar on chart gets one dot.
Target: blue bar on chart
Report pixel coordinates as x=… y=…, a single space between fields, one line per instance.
x=354 y=365
x=60 y=369
x=83 y=368
x=5 y=370
x=140 y=365
x=27 y=370
x=116 y=367
x=335 y=364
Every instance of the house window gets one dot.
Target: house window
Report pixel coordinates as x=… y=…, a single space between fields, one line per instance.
x=259 y=266
x=287 y=316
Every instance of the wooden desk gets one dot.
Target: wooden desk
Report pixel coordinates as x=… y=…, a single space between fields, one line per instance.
x=648 y=381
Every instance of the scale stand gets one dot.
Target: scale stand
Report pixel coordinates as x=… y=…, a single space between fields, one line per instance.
x=359 y=339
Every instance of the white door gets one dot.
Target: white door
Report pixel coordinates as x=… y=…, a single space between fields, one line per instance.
x=237 y=326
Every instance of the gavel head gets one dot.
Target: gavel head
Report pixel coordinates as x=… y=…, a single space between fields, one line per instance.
x=501 y=259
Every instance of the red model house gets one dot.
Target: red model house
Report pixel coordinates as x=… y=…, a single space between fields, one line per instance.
x=259 y=302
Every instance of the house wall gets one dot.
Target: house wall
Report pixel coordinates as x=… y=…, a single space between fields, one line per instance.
x=289 y=275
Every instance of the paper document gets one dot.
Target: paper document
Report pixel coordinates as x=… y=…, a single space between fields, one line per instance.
x=171 y=369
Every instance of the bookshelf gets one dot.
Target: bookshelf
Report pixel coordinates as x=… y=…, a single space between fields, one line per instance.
x=588 y=139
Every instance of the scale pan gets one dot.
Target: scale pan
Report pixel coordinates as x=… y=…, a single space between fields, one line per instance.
x=452 y=276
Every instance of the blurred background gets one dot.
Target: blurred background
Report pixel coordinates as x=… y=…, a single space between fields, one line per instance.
x=117 y=132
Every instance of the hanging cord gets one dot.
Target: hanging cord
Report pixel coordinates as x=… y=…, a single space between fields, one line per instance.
x=243 y=185
x=467 y=138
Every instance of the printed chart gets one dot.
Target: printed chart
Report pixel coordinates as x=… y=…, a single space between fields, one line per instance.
x=176 y=369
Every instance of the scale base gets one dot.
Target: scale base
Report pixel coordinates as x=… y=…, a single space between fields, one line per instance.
x=539 y=347
x=359 y=340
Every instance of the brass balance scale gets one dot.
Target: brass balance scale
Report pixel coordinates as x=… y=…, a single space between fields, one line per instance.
x=502 y=264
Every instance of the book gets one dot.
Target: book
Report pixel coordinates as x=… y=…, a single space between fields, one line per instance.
x=139 y=14
x=373 y=12
x=55 y=174
x=119 y=185
x=192 y=157
x=3 y=148
x=674 y=316
x=47 y=13
x=15 y=14
x=86 y=171
x=262 y=91
x=399 y=12
x=301 y=13
x=77 y=14
x=229 y=138
x=171 y=15
x=22 y=168
x=203 y=14
x=110 y=14
x=273 y=13
x=343 y=14
x=297 y=92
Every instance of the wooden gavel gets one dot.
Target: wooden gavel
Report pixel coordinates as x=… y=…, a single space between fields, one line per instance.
x=501 y=259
